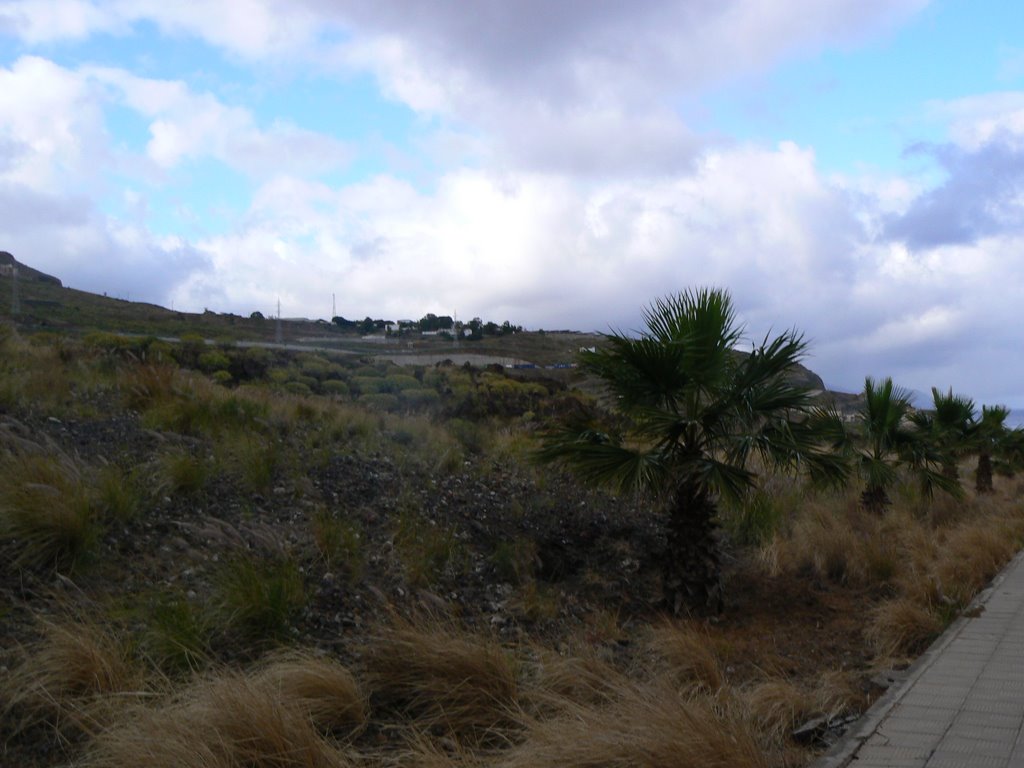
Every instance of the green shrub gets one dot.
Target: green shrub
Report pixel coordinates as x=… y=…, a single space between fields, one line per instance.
x=46 y=512
x=335 y=388
x=339 y=542
x=116 y=493
x=398 y=382
x=314 y=367
x=259 y=598
x=474 y=438
x=336 y=371
x=514 y=561
x=250 y=364
x=756 y=518
x=213 y=360
x=367 y=385
x=181 y=472
x=189 y=349
x=256 y=461
x=381 y=402
x=176 y=635
x=420 y=398
x=427 y=551
x=298 y=388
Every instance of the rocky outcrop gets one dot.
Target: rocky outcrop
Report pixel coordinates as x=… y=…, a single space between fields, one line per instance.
x=7 y=261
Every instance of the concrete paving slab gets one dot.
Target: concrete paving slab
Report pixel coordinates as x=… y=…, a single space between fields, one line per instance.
x=962 y=703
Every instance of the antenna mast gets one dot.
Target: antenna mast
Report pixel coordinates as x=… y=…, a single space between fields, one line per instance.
x=15 y=305
x=278 y=336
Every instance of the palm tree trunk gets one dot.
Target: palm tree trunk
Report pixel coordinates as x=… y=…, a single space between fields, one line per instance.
x=692 y=575
x=983 y=474
x=875 y=499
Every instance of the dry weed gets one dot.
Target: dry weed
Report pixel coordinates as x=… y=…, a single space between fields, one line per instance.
x=823 y=543
x=563 y=681
x=464 y=684
x=685 y=657
x=973 y=554
x=902 y=627
x=652 y=726
x=76 y=678
x=228 y=722
x=779 y=706
x=325 y=690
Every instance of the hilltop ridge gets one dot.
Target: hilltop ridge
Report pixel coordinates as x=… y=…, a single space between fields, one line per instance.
x=25 y=272
x=46 y=305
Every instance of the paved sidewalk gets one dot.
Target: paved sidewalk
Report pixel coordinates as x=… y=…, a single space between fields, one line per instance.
x=962 y=703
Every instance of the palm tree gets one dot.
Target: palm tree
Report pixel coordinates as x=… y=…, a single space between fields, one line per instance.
x=951 y=428
x=887 y=441
x=691 y=413
x=993 y=439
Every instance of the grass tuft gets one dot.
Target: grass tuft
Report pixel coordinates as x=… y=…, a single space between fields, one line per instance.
x=46 y=511
x=653 y=726
x=70 y=680
x=685 y=657
x=443 y=678
x=902 y=627
x=259 y=597
x=323 y=689
x=227 y=722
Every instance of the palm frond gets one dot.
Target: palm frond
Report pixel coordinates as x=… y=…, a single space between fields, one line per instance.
x=597 y=458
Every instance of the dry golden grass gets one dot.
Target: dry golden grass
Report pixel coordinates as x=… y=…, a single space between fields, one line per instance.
x=651 y=726
x=76 y=678
x=426 y=752
x=444 y=678
x=971 y=556
x=232 y=721
x=822 y=542
x=902 y=627
x=324 y=689
x=564 y=681
x=684 y=655
x=778 y=706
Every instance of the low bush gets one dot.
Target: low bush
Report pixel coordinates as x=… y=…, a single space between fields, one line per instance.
x=47 y=514
x=259 y=597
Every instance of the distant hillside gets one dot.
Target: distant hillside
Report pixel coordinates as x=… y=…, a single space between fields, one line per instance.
x=25 y=272
x=46 y=305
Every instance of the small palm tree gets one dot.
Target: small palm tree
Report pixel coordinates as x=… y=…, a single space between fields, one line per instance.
x=887 y=441
x=692 y=413
x=951 y=429
x=993 y=440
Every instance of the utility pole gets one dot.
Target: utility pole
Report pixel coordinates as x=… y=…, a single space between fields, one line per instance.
x=278 y=336
x=15 y=304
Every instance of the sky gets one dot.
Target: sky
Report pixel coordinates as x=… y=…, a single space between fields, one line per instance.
x=853 y=169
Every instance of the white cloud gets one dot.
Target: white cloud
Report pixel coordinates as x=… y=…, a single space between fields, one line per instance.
x=51 y=124
x=250 y=28
x=186 y=125
x=978 y=120
x=42 y=21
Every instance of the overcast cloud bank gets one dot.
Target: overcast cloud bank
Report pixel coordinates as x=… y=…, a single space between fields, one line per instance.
x=550 y=177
